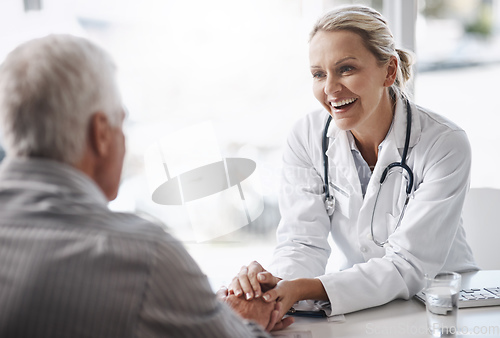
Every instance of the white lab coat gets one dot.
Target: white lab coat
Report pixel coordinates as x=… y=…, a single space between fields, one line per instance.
x=429 y=239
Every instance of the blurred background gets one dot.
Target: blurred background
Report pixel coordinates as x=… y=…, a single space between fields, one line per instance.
x=243 y=66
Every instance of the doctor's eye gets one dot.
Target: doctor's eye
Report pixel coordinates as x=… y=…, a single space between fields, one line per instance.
x=318 y=75
x=346 y=69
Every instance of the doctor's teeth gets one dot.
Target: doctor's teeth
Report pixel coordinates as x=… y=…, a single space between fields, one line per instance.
x=342 y=103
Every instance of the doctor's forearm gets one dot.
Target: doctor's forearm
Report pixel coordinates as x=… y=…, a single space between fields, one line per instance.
x=309 y=288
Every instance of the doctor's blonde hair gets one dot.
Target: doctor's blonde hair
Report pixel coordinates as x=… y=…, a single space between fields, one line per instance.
x=376 y=35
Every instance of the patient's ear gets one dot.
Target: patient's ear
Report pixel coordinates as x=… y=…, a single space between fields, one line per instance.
x=100 y=134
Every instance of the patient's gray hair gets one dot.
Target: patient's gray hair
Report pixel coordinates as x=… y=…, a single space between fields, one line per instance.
x=49 y=89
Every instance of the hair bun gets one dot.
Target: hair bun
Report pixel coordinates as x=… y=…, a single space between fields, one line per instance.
x=406 y=61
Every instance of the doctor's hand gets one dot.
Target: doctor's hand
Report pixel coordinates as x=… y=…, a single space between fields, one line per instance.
x=252 y=281
x=266 y=314
x=288 y=292
x=285 y=293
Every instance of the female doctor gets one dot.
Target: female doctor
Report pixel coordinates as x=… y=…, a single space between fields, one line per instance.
x=387 y=179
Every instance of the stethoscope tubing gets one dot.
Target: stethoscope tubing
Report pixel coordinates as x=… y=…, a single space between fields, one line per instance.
x=329 y=200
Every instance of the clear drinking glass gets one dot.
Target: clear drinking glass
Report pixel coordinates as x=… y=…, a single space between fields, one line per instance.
x=441 y=299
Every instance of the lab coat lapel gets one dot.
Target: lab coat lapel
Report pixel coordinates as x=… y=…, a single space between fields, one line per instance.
x=342 y=170
x=398 y=132
x=392 y=150
x=394 y=143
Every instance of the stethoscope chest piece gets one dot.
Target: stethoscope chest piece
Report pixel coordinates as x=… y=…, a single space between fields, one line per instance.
x=330 y=204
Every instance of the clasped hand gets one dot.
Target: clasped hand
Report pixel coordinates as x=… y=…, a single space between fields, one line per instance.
x=253 y=282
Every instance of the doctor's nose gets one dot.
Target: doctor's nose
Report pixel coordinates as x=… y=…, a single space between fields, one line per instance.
x=332 y=85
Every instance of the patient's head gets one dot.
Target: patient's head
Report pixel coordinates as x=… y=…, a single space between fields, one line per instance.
x=49 y=89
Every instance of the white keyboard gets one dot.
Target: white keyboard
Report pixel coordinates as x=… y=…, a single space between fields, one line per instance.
x=474 y=297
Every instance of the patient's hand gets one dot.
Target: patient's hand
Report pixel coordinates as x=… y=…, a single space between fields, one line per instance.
x=266 y=314
x=252 y=281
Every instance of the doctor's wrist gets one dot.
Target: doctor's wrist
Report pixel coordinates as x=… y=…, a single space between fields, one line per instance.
x=309 y=288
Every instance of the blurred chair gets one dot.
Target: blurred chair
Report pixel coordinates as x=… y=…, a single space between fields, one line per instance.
x=481 y=215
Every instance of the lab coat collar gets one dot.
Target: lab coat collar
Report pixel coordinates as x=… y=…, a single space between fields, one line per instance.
x=394 y=143
x=340 y=156
x=398 y=128
x=398 y=132
x=339 y=142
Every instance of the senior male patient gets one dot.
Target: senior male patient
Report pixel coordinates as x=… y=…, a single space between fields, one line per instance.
x=69 y=267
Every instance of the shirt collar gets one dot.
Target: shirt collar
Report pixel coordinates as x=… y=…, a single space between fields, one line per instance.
x=352 y=141
x=50 y=175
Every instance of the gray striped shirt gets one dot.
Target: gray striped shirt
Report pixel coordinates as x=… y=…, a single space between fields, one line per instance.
x=69 y=267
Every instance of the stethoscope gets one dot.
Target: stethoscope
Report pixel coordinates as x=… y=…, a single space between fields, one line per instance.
x=329 y=198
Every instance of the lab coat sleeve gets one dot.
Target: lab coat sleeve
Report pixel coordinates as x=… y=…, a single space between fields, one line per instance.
x=302 y=249
x=423 y=241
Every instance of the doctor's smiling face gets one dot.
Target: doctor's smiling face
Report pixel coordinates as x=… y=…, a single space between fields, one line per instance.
x=350 y=82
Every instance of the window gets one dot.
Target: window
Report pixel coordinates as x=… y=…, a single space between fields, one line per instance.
x=458 y=50
x=243 y=66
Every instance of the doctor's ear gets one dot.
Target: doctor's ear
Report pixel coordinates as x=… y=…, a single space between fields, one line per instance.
x=392 y=70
